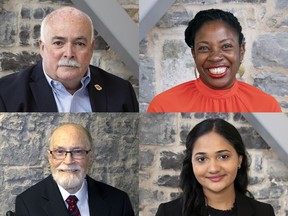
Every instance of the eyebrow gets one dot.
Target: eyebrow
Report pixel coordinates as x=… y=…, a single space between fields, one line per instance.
x=226 y=39
x=217 y=152
x=63 y=38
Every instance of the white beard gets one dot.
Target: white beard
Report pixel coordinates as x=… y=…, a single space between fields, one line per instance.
x=69 y=180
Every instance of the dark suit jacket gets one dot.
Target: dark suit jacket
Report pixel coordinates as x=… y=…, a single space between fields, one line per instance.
x=29 y=91
x=245 y=207
x=44 y=199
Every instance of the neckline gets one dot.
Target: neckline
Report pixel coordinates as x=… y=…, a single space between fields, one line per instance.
x=209 y=92
x=217 y=212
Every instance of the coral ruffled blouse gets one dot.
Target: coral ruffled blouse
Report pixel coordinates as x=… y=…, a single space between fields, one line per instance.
x=195 y=96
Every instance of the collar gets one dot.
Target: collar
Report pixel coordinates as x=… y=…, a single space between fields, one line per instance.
x=54 y=84
x=81 y=194
x=209 y=92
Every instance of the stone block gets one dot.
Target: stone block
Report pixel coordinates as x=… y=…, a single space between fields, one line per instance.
x=177 y=65
x=168 y=181
x=258 y=163
x=36 y=32
x=251 y=138
x=143 y=46
x=255 y=180
x=149 y=196
x=147 y=79
x=100 y=43
x=270 y=50
x=19 y=61
x=25 y=13
x=272 y=83
x=281 y=4
x=175 y=16
x=20 y=176
x=8 y=27
x=276 y=170
x=171 y=160
x=24 y=34
x=146 y=158
x=158 y=129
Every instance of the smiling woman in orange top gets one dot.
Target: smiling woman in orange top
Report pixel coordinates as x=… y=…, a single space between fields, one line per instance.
x=218 y=46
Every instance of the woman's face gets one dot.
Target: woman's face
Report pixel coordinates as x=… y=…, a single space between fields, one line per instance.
x=217 y=54
x=215 y=163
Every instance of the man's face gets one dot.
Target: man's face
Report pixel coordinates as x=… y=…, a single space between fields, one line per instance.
x=67 y=37
x=69 y=172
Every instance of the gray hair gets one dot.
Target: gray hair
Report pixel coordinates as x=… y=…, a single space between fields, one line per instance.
x=78 y=126
x=46 y=20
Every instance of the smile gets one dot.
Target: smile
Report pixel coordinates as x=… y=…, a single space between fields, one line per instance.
x=218 y=72
x=68 y=170
x=216 y=178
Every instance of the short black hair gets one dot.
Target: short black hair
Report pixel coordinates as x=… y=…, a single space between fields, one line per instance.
x=205 y=16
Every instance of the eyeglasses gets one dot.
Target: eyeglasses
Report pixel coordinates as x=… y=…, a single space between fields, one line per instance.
x=60 y=154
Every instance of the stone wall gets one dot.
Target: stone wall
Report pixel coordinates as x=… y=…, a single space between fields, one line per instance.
x=20 y=28
x=165 y=59
x=23 y=160
x=162 y=139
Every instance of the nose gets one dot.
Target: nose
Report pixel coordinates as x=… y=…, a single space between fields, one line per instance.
x=69 y=51
x=216 y=55
x=214 y=166
x=68 y=159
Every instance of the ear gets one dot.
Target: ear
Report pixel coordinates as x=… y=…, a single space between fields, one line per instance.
x=49 y=157
x=41 y=45
x=240 y=158
x=193 y=53
x=242 y=51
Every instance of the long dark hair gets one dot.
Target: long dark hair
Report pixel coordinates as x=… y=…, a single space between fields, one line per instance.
x=205 y=16
x=193 y=196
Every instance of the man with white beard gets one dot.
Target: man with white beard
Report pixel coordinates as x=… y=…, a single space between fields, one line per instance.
x=69 y=190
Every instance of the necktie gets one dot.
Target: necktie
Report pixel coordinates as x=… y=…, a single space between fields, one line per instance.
x=72 y=207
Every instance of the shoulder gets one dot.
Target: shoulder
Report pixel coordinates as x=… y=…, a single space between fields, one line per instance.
x=173 y=207
x=98 y=73
x=33 y=192
x=248 y=205
x=172 y=97
x=245 y=87
x=18 y=79
x=105 y=189
x=262 y=101
x=260 y=206
x=22 y=74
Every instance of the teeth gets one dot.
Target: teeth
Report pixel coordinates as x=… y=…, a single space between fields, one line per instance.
x=218 y=70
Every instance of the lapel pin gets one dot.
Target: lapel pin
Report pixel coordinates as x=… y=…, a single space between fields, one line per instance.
x=98 y=87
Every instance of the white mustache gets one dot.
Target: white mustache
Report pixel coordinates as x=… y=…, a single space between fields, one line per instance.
x=73 y=167
x=68 y=63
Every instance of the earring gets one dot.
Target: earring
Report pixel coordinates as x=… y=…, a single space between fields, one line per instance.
x=195 y=72
x=241 y=70
x=239 y=166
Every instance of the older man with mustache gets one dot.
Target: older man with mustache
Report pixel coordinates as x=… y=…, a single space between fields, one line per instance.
x=69 y=190
x=64 y=81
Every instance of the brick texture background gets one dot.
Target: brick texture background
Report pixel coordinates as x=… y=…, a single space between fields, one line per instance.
x=20 y=28
x=162 y=139
x=24 y=139
x=165 y=59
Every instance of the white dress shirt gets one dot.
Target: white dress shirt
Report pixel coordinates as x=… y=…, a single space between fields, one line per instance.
x=82 y=196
